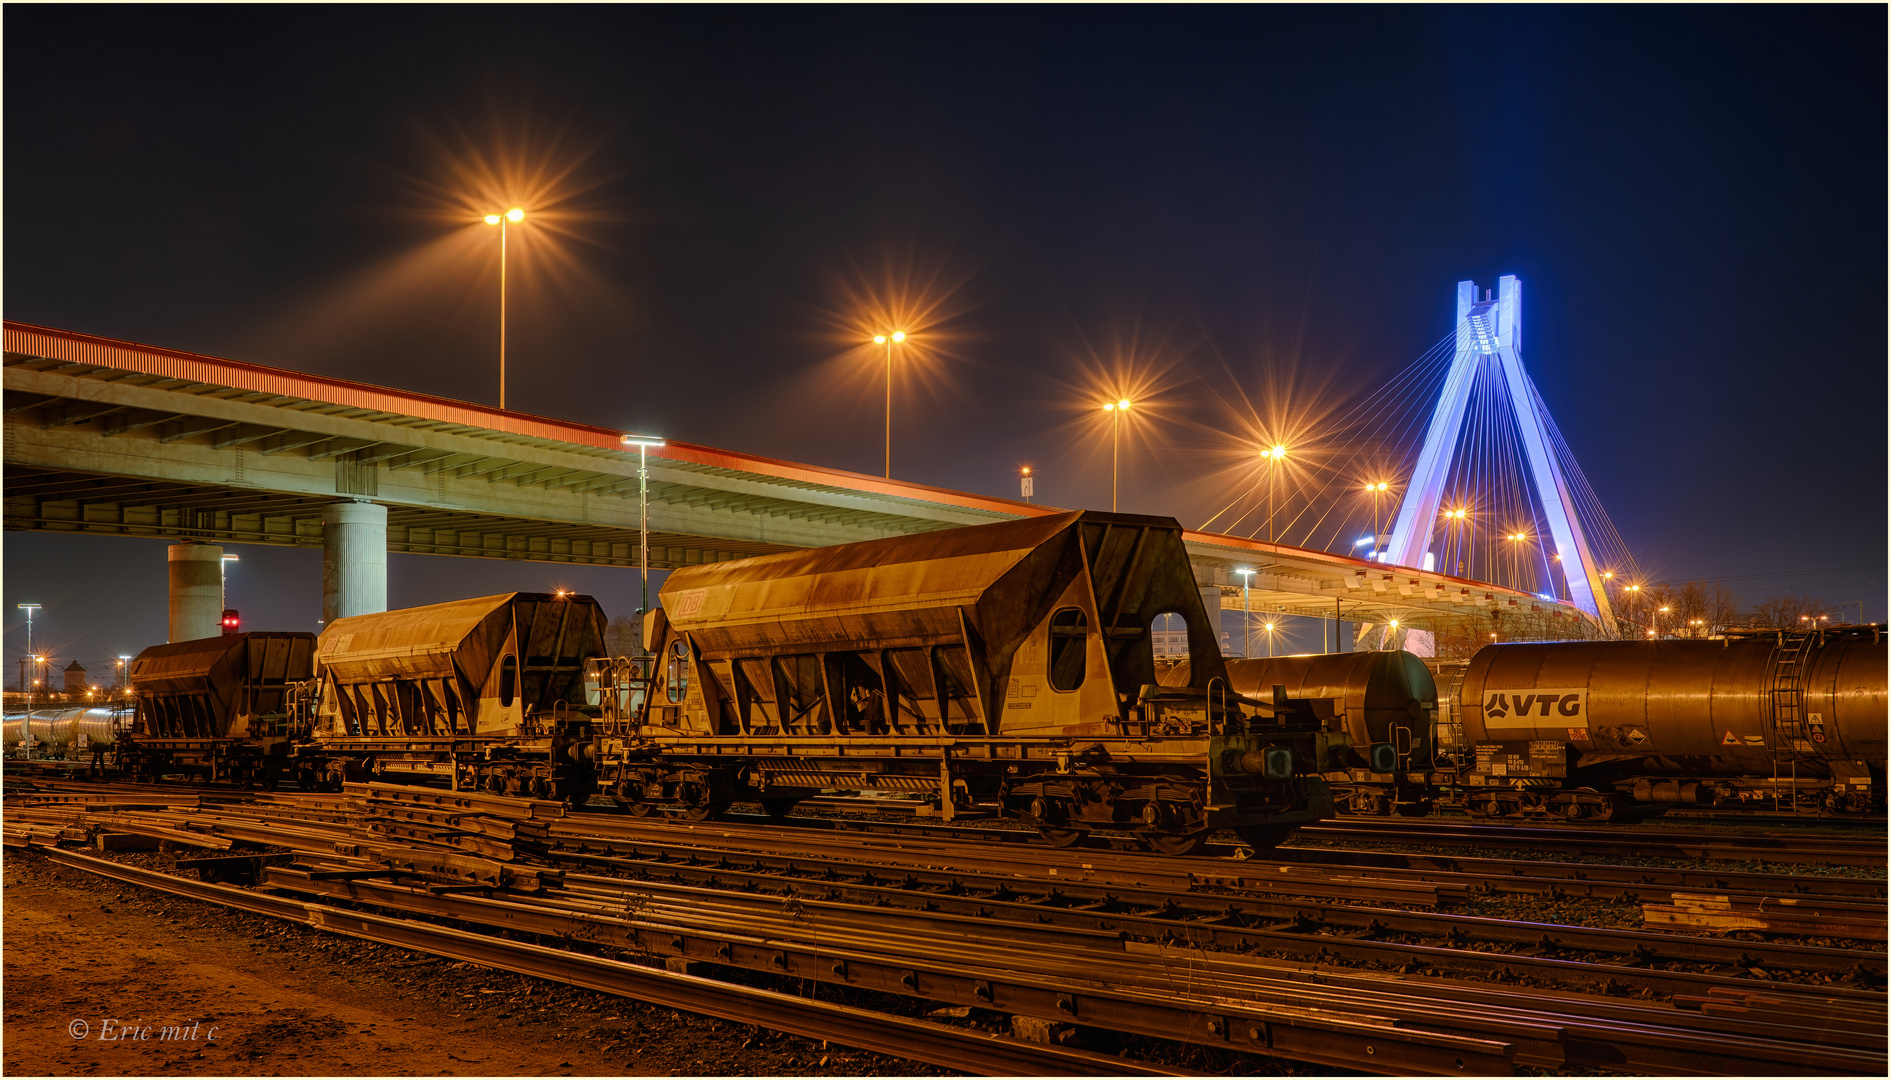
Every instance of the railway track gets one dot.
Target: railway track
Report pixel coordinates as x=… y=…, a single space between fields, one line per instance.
x=1094 y=938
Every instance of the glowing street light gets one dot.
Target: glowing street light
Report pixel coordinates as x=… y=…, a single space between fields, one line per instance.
x=29 y=609
x=512 y=216
x=1392 y=635
x=1275 y=455
x=1376 y=490
x=644 y=444
x=889 y=340
x=1027 y=484
x=1269 y=627
x=1116 y=409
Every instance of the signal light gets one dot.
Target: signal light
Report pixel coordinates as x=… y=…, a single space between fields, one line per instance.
x=232 y=622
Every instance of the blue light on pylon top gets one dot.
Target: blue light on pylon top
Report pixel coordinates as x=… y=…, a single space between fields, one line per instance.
x=1490 y=331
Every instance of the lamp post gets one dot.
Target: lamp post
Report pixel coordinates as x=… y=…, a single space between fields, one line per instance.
x=1655 y=620
x=1247 y=619
x=1454 y=546
x=1027 y=485
x=889 y=340
x=27 y=659
x=1270 y=640
x=1377 y=490
x=1274 y=455
x=644 y=445
x=1116 y=409
x=1392 y=636
x=1516 y=559
x=512 y=216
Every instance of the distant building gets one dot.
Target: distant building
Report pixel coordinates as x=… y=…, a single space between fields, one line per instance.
x=75 y=678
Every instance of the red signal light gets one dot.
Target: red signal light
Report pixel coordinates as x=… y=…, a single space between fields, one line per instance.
x=232 y=622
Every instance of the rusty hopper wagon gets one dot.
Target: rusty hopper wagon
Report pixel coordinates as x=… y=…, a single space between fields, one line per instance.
x=1006 y=663
x=223 y=707
x=479 y=692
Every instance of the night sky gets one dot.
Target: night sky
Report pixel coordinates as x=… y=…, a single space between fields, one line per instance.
x=1249 y=216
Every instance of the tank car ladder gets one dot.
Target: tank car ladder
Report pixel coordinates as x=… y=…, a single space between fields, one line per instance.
x=1788 y=702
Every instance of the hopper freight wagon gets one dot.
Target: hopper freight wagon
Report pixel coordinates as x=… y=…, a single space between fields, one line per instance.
x=479 y=693
x=221 y=708
x=1006 y=664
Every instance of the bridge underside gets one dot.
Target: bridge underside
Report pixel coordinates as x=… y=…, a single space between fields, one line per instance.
x=64 y=501
x=109 y=438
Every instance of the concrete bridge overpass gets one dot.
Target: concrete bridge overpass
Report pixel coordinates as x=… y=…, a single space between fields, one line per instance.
x=115 y=438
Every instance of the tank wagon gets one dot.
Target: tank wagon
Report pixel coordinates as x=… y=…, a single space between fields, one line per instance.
x=1384 y=702
x=63 y=732
x=478 y=692
x=1006 y=663
x=223 y=708
x=1599 y=730
x=1580 y=729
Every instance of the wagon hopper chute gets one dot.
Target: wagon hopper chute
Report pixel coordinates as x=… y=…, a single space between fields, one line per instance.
x=1008 y=663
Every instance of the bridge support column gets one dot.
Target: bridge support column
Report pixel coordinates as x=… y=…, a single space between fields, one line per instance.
x=354 y=560
x=196 y=592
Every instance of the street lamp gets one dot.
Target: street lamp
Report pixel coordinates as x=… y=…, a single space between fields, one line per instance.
x=1027 y=485
x=1116 y=409
x=889 y=340
x=1392 y=636
x=644 y=445
x=1377 y=490
x=223 y=574
x=512 y=216
x=1247 y=620
x=1516 y=559
x=1454 y=522
x=1275 y=456
x=29 y=609
x=1655 y=620
x=1269 y=627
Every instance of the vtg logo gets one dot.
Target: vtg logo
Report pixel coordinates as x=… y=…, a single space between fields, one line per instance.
x=1561 y=706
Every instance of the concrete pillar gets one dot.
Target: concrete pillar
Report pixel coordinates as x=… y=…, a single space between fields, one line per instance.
x=354 y=560
x=196 y=572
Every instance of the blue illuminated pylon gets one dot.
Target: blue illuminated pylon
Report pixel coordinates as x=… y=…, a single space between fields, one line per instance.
x=1492 y=330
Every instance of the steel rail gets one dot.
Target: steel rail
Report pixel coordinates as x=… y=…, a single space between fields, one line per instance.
x=855 y=949
x=916 y=860
x=1203 y=921
x=915 y=869
x=1044 y=982
x=901 y=1037
x=1704 y=846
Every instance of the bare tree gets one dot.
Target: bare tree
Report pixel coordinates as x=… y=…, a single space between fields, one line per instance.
x=621 y=636
x=1788 y=611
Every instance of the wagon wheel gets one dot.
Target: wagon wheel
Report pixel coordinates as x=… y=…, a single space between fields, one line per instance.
x=640 y=808
x=1176 y=843
x=1062 y=838
x=705 y=811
